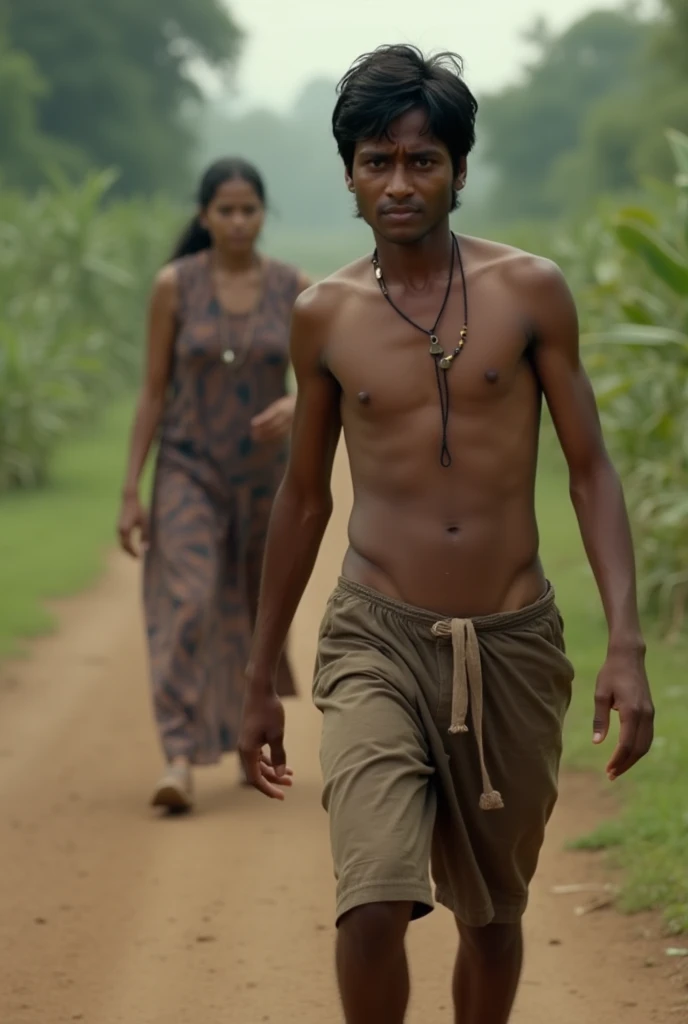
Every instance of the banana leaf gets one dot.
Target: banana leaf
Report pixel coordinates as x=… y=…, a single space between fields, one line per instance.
x=642 y=335
x=666 y=262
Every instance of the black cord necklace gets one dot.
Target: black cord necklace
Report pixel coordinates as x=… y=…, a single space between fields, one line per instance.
x=441 y=360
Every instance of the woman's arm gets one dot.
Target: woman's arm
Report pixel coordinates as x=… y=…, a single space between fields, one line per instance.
x=275 y=421
x=162 y=325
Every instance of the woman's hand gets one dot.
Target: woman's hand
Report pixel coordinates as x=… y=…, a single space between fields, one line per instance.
x=274 y=422
x=133 y=519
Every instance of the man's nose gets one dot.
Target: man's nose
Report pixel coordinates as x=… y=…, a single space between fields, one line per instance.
x=399 y=186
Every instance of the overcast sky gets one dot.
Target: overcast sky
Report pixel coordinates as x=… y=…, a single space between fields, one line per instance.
x=291 y=41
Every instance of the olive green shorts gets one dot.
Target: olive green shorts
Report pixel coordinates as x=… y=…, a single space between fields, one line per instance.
x=440 y=750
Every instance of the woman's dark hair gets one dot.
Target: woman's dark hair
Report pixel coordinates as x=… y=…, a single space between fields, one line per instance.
x=383 y=85
x=194 y=237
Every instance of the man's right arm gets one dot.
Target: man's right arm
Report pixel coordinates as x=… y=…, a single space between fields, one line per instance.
x=300 y=515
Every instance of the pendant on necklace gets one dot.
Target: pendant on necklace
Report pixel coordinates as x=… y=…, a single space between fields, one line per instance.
x=446 y=362
x=435 y=347
x=228 y=356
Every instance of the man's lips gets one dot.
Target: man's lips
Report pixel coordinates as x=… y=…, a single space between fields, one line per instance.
x=399 y=212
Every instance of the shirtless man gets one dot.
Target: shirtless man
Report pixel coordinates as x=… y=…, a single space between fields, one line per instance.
x=441 y=671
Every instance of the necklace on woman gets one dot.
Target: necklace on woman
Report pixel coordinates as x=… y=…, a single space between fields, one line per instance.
x=442 y=360
x=235 y=354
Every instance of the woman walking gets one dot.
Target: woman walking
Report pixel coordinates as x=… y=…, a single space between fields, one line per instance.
x=215 y=393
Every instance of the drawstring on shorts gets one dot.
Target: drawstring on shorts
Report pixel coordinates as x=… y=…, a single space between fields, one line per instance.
x=467 y=684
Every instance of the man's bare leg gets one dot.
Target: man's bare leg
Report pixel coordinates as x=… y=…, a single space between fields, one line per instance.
x=371 y=963
x=487 y=972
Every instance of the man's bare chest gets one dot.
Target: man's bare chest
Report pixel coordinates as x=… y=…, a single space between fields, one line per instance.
x=386 y=365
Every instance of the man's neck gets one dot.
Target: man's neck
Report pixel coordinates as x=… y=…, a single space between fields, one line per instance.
x=414 y=265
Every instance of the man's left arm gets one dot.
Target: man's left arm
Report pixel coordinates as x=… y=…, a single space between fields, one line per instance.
x=598 y=500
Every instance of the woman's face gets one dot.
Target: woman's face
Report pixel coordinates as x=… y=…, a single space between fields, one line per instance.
x=234 y=217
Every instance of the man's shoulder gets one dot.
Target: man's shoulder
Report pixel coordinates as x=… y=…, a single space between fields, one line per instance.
x=514 y=266
x=325 y=296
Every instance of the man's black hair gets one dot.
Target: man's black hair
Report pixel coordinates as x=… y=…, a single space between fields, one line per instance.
x=383 y=85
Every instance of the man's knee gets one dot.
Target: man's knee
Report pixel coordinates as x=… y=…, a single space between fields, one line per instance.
x=375 y=931
x=493 y=942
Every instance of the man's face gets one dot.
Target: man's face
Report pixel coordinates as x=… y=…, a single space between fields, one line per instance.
x=404 y=182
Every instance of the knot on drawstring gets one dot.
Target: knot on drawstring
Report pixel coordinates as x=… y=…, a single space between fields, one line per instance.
x=468 y=679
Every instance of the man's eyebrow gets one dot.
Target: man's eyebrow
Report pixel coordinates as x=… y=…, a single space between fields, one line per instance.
x=383 y=146
x=424 y=151
x=375 y=146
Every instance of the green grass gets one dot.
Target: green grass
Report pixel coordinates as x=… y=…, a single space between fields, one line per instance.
x=649 y=839
x=53 y=540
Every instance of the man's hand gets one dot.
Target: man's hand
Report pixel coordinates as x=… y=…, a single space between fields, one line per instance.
x=263 y=726
x=275 y=421
x=622 y=685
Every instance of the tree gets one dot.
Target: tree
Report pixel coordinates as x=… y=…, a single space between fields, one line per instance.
x=295 y=152
x=115 y=74
x=529 y=128
x=672 y=37
x=23 y=148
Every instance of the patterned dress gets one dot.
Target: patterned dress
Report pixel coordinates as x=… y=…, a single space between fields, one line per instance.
x=213 y=493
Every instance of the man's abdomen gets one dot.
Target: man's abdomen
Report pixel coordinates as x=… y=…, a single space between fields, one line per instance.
x=463 y=566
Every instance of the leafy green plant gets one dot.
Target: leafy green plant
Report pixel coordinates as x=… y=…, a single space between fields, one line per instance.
x=74 y=274
x=630 y=268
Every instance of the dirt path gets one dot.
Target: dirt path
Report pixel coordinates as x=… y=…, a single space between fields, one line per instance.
x=109 y=915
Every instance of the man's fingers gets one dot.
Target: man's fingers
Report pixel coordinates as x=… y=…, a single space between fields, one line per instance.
x=622 y=760
x=269 y=773
x=271 y=776
x=635 y=740
x=253 y=768
x=600 y=725
x=278 y=758
x=251 y=762
x=273 y=792
x=265 y=759
x=624 y=755
x=646 y=732
x=268 y=789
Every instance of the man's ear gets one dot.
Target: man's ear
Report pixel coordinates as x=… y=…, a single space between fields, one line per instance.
x=461 y=175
